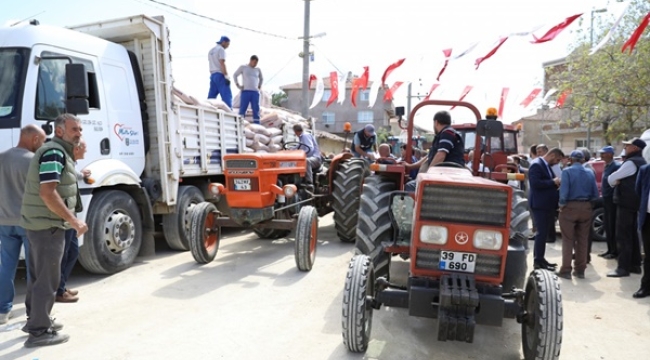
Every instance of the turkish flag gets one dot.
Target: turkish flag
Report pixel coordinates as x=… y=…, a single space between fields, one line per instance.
x=433 y=88
x=312 y=77
x=492 y=52
x=502 y=102
x=390 y=69
x=466 y=91
x=529 y=99
x=334 y=88
x=389 y=93
x=357 y=83
x=562 y=98
x=631 y=42
x=447 y=53
x=556 y=30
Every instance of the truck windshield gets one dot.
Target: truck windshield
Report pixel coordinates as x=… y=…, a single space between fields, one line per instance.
x=13 y=63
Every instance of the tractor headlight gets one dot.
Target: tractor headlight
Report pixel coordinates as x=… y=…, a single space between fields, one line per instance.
x=436 y=235
x=488 y=239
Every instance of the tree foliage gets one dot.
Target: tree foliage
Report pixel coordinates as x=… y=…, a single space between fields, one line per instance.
x=611 y=88
x=278 y=98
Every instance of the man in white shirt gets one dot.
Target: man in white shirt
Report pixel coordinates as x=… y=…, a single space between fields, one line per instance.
x=219 y=78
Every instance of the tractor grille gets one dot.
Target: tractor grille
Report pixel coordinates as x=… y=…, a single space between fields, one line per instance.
x=465 y=205
x=241 y=164
x=486 y=264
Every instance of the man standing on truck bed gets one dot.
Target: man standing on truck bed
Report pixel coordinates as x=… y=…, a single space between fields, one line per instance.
x=447 y=146
x=219 y=78
x=48 y=209
x=14 y=164
x=250 y=90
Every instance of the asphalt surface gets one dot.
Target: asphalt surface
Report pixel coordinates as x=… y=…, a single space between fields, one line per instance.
x=252 y=303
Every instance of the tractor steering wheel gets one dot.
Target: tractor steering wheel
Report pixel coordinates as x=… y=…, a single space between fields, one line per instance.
x=450 y=164
x=289 y=144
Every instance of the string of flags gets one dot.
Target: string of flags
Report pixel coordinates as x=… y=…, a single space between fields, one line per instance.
x=450 y=55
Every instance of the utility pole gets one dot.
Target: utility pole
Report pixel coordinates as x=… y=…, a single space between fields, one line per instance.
x=305 y=63
x=591 y=45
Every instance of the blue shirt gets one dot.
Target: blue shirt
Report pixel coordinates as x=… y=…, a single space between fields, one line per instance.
x=578 y=183
x=605 y=188
x=308 y=139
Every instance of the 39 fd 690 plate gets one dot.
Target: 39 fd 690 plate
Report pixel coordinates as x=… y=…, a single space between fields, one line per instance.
x=242 y=184
x=457 y=261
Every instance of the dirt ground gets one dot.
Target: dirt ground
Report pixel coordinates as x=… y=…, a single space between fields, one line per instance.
x=252 y=303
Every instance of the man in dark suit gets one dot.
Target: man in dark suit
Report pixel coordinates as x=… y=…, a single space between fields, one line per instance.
x=543 y=201
x=643 y=190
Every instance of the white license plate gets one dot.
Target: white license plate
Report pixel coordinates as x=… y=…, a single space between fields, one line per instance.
x=457 y=261
x=242 y=184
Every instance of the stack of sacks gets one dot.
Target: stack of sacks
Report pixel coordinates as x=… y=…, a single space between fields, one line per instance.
x=191 y=100
x=262 y=140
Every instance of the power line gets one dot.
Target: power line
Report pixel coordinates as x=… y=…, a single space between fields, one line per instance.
x=292 y=58
x=144 y=2
x=329 y=61
x=224 y=22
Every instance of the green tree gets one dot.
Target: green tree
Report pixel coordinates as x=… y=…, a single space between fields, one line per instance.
x=610 y=88
x=382 y=135
x=278 y=98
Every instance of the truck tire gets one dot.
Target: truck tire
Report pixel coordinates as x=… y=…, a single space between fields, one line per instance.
x=347 y=182
x=306 y=238
x=114 y=233
x=541 y=330
x=357 y=311
x=519 y=215
x=176 y=225
x=598 y=225
x=374 y=222
x=204 y=242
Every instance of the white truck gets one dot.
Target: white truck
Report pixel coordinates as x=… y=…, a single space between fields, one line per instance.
x=151 y=157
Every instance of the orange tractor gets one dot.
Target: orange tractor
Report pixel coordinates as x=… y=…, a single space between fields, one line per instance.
x=266 y=193
x=464 y=235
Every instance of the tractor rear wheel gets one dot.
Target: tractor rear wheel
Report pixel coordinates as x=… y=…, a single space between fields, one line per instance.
x=375 y=225
x=541 y=330
x=357 y=309
x=306 y=238
x=204 y=235
x=346 y=184
x=520 y=215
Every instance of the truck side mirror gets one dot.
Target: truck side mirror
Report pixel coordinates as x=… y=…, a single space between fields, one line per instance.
x=399 y=111
x=76 y=89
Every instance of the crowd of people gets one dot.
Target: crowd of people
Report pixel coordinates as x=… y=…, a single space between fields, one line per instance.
x=41 y=198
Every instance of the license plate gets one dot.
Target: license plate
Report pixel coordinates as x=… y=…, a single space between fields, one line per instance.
x=457 y=261
x=242 y=184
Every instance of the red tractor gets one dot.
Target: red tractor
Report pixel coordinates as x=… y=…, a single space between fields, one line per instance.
x=465 y=238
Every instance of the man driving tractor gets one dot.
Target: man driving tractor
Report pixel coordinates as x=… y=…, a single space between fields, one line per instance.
x=447 y=146
x=309 y=145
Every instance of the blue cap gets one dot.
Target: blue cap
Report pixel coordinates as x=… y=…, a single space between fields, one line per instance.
x=607 y=150
x=223 y=38
x=577 y=154
x=370 y=129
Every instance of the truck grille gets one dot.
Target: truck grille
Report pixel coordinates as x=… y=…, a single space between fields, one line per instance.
x=486 y=264
x=241 y=164
x=466 y=205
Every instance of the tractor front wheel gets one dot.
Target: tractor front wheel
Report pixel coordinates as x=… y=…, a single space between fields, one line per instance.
x=306 y=238
x=541 y=330
x=357 y=307
x=204 y=235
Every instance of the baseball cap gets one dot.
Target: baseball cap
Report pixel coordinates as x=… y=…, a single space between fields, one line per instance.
x=370 y=129
x=577 y=154
x=607 y=150
x=636 y=142
x=223 y=38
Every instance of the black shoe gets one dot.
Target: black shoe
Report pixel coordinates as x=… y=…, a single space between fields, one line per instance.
x=603 y=255
x=56 y=326
x=579 y=275
x=550 y=264
x=550 y=241
x=563 y=275
x=45 y=339
x=618 y=273
x=636 y=270
x=543 y=266
x=641 y=293
x=610 y=256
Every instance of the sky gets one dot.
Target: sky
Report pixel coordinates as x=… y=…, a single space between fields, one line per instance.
x=358 y=33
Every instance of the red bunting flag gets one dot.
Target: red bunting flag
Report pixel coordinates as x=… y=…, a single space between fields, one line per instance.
x=556 y=30
x=433 y=88
x=334 y=88
x=466 y=91
x=361 y=82
x=390 y=69
x=562 y=98
x=529 y=99
x=447 y=53
x=492 y=52
x=312 y=77
x=389 y=93
x=631 y=42
x=502 y=102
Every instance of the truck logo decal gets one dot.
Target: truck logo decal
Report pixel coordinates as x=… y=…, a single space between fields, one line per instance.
x=461 y=238
x=122 y=131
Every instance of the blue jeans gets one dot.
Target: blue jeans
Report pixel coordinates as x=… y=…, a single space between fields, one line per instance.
x=11 y=239
x=410 y=186
x=218 y=86
x=70 y=256
x=251 y=97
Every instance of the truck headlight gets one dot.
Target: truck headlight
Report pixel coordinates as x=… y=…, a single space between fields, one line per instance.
x=436 y=235
x=488 y=239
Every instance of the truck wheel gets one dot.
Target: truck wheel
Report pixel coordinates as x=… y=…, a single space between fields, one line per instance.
x=306 y=238
x=204 y=235
x=598 y=225
x=114 y=233
x=357 y=309
x=519 y=215
x=374 y=222
x=176 y=225
x=347 y=182
x=541 y=330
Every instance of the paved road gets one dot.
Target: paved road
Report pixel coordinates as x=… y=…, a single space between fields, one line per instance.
x=252 y=303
